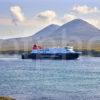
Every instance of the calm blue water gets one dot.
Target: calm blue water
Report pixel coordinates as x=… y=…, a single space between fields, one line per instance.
x=50 y=79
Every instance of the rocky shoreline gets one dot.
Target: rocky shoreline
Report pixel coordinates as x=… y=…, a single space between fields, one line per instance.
x=6 y=98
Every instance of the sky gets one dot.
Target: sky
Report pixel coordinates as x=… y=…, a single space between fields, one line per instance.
x=20 y=18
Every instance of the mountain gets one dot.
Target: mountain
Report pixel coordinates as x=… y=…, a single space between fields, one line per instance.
x=46 y=32
x=78 y=28
x=25 y=43
x=76 y=32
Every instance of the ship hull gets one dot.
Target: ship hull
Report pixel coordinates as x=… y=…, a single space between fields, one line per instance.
x=66 y=56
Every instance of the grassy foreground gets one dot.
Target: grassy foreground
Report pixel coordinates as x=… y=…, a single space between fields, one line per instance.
x=6 y=98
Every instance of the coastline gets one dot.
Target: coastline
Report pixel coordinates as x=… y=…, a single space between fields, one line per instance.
x=84 y=52
x=6 y=98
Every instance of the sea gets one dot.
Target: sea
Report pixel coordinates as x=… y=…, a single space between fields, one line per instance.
x=50 y=79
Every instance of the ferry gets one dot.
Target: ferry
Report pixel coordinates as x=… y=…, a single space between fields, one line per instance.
x=38 y=52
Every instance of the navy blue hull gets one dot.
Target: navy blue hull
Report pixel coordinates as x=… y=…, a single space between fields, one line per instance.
x=67 y=56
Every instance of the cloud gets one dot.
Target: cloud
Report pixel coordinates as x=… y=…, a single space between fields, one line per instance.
x=47 y=15
x=45 y=18
x=16 y=12
x=68 y=17
x=84 y=9
x=50 y=16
